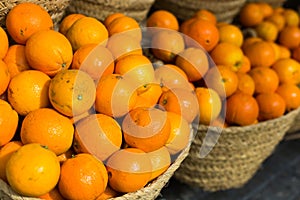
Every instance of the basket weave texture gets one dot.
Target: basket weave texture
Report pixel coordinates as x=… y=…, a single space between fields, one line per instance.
x=295 y=127
x=236 y=157
x=56 y=8
x=100 y=9
x=225 y=10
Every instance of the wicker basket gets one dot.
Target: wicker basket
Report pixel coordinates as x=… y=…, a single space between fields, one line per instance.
x=225 y=10
x=236 y=157
x=100 y=9
x=56 y=8
x=273 y=3
x=294 y=131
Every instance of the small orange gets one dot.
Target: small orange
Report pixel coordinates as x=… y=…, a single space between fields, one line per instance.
x=251 y=14
x=231 y=33
x=289 y=37
x=284 y=52
x=129 y=165
x=246 y=65
x=4 y=43
x=42 y=49
x=160 y=160
x=290 y=94
x=266 y=8
x=4 y=77
x=68 y=21
x=15 y=59
x=49 y=128
x=28 y=91
x=267 y=31
x=163 y=19
x=25 y=19
x=112 y=17
x=245 y=83
x=296 y=53
x=266 y=79
x=52 y=195
x=146 y=128
x=206 y=15
x=82 y=177
x=277 y=19
x=276 y=50
x=291 y=17
x=148 y=95
x=271 y=105
x=72 y=92
x=32 y=162
x=87 y=30
x=288 y=70
x=248 y=41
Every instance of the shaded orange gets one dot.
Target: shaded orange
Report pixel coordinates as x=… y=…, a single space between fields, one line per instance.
x=4 y=77
x=289 y=37
x=288 y=70
x=68 y=21
x=206 y=15
x=245 y=83
x=266 y=79
x=4 y=43
x=251 y=14
x=290 y=94
x=163 y=19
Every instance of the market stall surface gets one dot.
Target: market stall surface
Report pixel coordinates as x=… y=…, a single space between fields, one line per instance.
x=277 y=179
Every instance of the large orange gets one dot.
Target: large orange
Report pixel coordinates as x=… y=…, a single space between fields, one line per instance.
x=231 y=33
x=68 y=21
x=32 y=162
x=251 y=14
x=4 y=77
x=288 y=70
x=163 y=19
x=289 y=37
x=4 y=43
x=266 y=79
x=291 y=95
x=25 y=19
x=160 y=161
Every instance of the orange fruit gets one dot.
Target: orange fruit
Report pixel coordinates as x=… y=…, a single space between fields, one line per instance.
x=179 y=134
x=28 y=91
x=66 y=155
x=250 y=40
x=15 y=59
x=289 y=37
x=276 y=50
x=166 y=44
x=68 y=21
x=266 y=8
x=112 y=17
x=160 y=160
x=267 y=31
x=4 y=77
x=32 y=162
x=93 y=59
x=206 y=15
x=246 y=66
x=87 y=30
x=228 y=54
x=241 y=109
x=288 y=70
x=296 y=53
x=48 y=128
x=271 y=105
x=194 y=62
x=245 y=83
x=99 y=135
x=115 y=95
x=25 y=19
x=147 y=129
x=284 y=52
x=148 y=95
x=290 y=94
x=291 y=17
x=108 y=193
x=129 y=165
x=82 y=177
x=42 y=49
x=72 y=92
x=52 y=195
x=5 y=153
x=251 y=14
x=278 y=20
x=266 y=79
x=279 y=9
x=180 y=101
x=4 y=43
x=222 y=80
x=162 y=19
x=210 y=104
x=232 y=34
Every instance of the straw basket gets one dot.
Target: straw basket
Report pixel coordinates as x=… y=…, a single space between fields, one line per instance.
x=236 y=157
x=225 y=10
x=273 y=3
x=56 y=8
x=294 y=131
x=100 y=9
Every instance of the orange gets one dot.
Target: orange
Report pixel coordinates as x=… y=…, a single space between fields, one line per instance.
x=279 y=10
x=251 y=14
x=246 y=66
x=180 y=101
x=291 y=17
x=72 y=92
x=267 y=31
x=4 y=43
x=48 y=128
x=278 y=20
x=147 y=129
x=82 y=177
x=296 y=53
x=87 y=30
x=148 y=95
x=32 y=162
x=245 y=83
x=266 y=79
x=129 y=165
x=290 y=94
x=228 y=54
x=248 y=41
x=98 y=134
x=179 y=134
x=28 y=91
x=52 y=195
x=210 y=104
x=289 y=37
x=136 y=68
x=241 y=109
x=162 y=19
x=93 y=59
x=112 y=17
x=276 y=50
x=271 y=105
x=4 y=77
x=288 y=70
x=266 y=8
x=232 y=34
x=68 y=21
x=194 y=62
x=160 y=160
x=116 y=95
x=25 y=19
x=284 y=52
x=15 y=59
x=222 y=79
x=108 y=193
x=66 y=155
x=206 y=15
x=42 y=49
x=5 y=153
x=166 y=44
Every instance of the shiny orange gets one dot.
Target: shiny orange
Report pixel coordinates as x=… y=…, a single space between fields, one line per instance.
x=288 y=70
x=206 y=15
x=289 y=37
x=163 y=19
x=148 y=95
x=251 y=14
x=231 y=33
x=68 y=21
x=112 y=17
x=290 y=94
x=266 y=79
